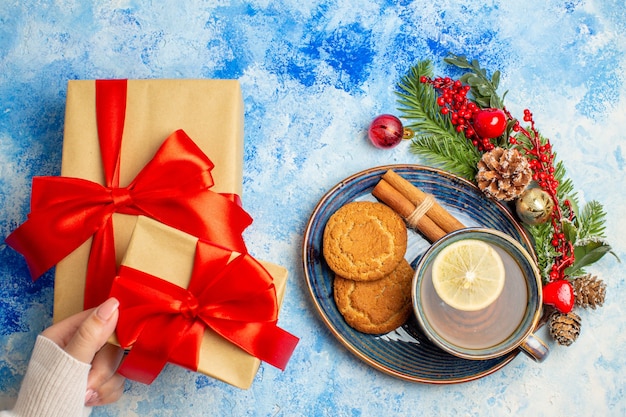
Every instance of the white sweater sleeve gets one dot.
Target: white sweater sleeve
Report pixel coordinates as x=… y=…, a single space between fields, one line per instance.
x=55 y=384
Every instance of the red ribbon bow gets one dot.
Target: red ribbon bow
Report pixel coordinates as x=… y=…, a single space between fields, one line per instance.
x=163 y=322
x=172 y=188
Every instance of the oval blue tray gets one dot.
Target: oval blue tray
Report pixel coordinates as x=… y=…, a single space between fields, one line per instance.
x=404 y=353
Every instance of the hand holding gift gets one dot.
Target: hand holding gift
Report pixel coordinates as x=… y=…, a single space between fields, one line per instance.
x=82 y=222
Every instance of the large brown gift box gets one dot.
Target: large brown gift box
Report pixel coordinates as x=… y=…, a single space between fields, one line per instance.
x=168 y=253
x=209 y=111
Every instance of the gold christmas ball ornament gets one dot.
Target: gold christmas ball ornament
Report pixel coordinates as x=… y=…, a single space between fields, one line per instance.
x=534 y=206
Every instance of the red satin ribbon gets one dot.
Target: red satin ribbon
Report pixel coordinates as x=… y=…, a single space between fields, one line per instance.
x=172 y=188
x=163 y=322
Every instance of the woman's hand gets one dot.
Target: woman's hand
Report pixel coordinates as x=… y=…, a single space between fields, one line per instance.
x=84 y=336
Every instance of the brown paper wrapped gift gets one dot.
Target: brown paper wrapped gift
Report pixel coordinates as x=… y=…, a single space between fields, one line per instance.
x=209 y=111
x=168 y=253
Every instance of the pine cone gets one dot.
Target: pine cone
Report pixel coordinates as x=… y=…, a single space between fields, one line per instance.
x=565 y=328
x=503 y=173
x=589 y=291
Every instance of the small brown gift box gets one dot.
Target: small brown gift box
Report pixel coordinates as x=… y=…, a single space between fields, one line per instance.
x=168 y=253
x=209 y=111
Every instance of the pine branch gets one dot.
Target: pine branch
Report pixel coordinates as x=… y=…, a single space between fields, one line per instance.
x=418 y=103
x=436 y=138
x=591 y=221
x=439 y=143
x=448 y=154
x=565 y=190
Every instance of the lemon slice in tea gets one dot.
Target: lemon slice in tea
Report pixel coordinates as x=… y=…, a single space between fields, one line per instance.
x=468 y=275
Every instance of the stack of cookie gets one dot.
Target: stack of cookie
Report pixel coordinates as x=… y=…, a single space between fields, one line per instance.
x=364 y=245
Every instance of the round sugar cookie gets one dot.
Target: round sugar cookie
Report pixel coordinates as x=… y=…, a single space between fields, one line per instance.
x=364 y=241
x=376 y=307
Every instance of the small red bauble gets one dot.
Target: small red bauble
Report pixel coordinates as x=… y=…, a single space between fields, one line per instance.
x=559 y=294
x=385 y=131
x=489 y=123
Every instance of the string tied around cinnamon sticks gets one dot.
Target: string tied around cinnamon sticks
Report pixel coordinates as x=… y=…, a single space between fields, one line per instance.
x=420 y=210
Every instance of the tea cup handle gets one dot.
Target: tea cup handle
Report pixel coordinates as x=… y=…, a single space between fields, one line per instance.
x=535 y=348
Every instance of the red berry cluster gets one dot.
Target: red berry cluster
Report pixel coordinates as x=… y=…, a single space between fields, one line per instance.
x=559 y=291
x=541 y=157
x=541 y=161
x=453 y=100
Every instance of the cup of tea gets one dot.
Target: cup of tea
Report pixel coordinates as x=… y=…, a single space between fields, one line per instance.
x=497 y=321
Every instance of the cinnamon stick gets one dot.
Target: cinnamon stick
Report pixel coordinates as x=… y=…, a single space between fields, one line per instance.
x=439 y=215
x=401 y=205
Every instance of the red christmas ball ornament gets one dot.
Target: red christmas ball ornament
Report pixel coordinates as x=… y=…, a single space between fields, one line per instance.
x=489 y=123
x=559 y=294
x=386 y=131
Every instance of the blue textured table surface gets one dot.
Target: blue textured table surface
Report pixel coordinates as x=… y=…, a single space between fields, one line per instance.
x=313 y=75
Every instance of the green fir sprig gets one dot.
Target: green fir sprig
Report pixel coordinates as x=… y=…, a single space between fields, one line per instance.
x=591 y=221
x=586 y=232
x=452 y=155
x=435 y=139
